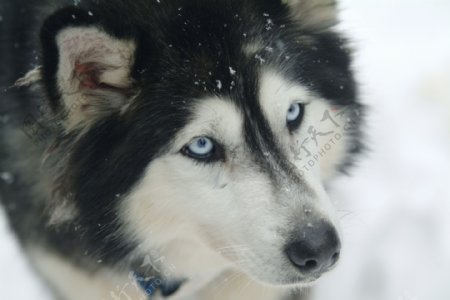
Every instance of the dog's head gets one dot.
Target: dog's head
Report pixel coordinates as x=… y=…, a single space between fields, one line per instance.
x=217 y=122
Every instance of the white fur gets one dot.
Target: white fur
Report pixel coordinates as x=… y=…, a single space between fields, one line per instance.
x=75 y=283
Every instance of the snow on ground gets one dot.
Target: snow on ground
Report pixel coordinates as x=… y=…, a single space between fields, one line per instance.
x=395 y=210
x=16 y=278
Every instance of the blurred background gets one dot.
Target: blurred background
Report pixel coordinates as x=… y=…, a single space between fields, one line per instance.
x=395 y=208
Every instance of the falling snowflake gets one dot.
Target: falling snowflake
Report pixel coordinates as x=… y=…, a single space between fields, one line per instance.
x=260 y=58
x=7 y=177
x=219 y=84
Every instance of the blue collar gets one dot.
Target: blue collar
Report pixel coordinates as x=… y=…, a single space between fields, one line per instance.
x=154 y=284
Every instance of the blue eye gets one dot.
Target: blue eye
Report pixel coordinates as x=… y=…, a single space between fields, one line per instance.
x=203 y=149
x=293 y=112
x=201 y=146
x=295 y=115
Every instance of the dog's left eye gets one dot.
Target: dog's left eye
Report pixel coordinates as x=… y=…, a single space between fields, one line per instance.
x=203 y=149
x=295 y=115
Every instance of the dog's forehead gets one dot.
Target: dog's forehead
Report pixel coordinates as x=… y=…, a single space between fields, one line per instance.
x=220 y=49
x=267 y=101
x=212 y=48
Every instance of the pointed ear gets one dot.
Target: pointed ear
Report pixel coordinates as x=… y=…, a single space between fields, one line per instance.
x=86 y=71
x=315 y=15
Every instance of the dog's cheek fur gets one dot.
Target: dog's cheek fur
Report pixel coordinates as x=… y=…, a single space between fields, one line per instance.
x=180 y=201
x=79 y=283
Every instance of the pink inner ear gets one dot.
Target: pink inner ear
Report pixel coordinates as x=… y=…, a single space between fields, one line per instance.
x=87 y=74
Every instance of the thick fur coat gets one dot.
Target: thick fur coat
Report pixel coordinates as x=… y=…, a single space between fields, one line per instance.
x=185 y=141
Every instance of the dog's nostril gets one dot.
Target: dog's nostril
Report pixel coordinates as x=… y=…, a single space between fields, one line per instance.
x=309 y=265
x=335 y=258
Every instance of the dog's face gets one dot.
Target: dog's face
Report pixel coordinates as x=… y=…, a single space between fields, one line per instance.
x=215 y=123
x=236 y=176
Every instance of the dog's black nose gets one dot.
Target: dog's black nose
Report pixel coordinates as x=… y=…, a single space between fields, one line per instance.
x=316 y=249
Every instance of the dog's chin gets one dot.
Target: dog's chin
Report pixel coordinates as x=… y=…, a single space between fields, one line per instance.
x=301 y=282
x=295 y=281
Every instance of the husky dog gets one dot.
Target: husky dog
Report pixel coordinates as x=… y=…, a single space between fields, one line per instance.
x=183 y=147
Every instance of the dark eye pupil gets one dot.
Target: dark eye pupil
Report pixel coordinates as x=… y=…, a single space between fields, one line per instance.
x=202 y=142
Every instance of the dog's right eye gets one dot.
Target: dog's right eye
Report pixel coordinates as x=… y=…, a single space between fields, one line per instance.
x=204 y=149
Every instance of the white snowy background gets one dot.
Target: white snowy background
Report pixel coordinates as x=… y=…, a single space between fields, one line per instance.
x=396 y=207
